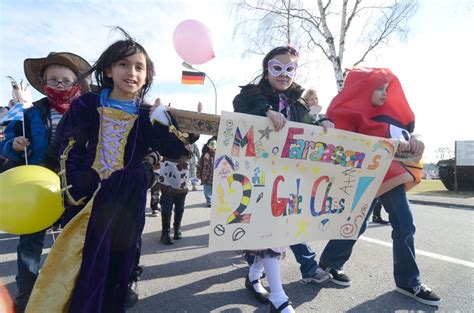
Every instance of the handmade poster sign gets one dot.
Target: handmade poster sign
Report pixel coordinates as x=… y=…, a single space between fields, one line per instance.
x=275 y=189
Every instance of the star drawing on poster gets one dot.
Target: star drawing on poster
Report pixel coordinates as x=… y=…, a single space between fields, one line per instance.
x=302 y=225
x=265 y=132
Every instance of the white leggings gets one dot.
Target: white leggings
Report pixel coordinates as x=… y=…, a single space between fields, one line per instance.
x=272 y=269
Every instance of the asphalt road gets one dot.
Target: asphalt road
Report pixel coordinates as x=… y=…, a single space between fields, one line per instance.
x=186 y=278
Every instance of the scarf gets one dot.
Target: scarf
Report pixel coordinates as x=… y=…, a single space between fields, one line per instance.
x=61 y=99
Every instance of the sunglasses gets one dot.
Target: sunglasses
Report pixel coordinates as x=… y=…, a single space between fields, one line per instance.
x=276 y=68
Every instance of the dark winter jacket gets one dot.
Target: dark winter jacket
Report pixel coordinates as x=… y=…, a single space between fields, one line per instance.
x=38 y=132
x=257 y=100
x=205 y=167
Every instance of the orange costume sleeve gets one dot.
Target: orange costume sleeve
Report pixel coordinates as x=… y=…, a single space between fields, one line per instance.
x=352 y=110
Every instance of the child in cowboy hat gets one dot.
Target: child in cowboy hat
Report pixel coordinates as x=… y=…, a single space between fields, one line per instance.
x=59 y=77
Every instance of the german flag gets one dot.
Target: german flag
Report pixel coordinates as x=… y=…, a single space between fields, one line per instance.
x=193 y=78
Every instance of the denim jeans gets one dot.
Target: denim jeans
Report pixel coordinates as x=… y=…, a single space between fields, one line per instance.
x=192 y=170
x=29 y=252
x=167 y=202
x=304 y=255
x=208 y=193
x=405 y=270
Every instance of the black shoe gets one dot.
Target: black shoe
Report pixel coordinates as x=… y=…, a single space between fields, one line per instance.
x=261 y=297
x=379 y=220
x=166 y=239
x=421 y=294
x=338 y=276
x=154 y=212
x=132 y=295
x=280 y=308
x=21 y=301
x=177 y=234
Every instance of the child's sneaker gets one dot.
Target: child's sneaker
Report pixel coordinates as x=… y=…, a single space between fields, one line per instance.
x=338 y=276
x=319 y=277
x=421 y=293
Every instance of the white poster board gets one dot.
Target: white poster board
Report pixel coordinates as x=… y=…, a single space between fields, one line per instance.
x=465 y=153
x=274 y=189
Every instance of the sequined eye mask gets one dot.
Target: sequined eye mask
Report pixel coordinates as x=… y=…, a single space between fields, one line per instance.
x=276 y=68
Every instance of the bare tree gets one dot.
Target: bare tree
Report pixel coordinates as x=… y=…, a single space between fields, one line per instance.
x=272 y=24
x=326 y=26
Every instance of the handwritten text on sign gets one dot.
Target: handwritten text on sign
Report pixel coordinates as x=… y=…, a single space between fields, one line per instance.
x=274 y=189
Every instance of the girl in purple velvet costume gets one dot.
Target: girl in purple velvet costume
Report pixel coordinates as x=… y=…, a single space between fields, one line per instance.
x=106 y=136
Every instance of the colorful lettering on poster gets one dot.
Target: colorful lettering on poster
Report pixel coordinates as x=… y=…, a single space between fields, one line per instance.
x=375 y=162
x=240 y=142
x=238 y=215
x=319 y=151
x=288 y=205
x=329 y=205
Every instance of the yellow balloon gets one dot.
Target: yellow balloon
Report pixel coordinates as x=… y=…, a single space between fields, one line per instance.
x=30 y=199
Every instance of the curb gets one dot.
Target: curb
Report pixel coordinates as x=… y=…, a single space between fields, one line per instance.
x=444 y=204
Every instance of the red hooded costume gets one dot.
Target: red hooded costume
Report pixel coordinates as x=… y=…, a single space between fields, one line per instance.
x=352 y=110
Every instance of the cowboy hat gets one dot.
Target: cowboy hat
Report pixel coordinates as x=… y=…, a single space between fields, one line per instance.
x=34 y=68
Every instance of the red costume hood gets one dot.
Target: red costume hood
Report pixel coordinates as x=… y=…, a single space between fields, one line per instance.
x=352 y=110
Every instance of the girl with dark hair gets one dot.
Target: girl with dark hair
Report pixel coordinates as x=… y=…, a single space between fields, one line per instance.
x=106 y=137
x=278 y=97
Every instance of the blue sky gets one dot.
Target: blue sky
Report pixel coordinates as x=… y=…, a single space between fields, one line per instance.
x=434 y=64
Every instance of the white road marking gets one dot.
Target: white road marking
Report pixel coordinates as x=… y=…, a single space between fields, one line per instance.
x=424 y=253
x=9 y=238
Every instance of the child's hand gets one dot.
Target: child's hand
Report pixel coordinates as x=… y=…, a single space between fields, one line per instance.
x=278 y=119
x=158 y=114
x=20 y=143
x=416 y=145
x=327 y=124
x=156 y=104
x=189 y=148
x=403 y=146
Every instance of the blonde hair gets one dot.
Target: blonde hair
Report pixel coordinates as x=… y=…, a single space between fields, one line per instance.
x=309 y=92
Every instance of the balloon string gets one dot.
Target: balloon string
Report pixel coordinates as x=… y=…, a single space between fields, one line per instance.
x=25 y=149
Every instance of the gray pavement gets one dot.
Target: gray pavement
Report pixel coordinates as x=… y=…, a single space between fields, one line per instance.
x=185 y=277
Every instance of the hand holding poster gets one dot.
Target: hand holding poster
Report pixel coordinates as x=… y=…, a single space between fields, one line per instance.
x=274 y=189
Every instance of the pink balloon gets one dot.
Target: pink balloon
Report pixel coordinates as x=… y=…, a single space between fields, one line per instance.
x=192 y=41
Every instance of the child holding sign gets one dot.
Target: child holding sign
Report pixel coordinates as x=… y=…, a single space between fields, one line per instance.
x=278 y=97
x=373 y=103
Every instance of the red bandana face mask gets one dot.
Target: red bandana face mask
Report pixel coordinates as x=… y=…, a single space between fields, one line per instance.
x=61 y=99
